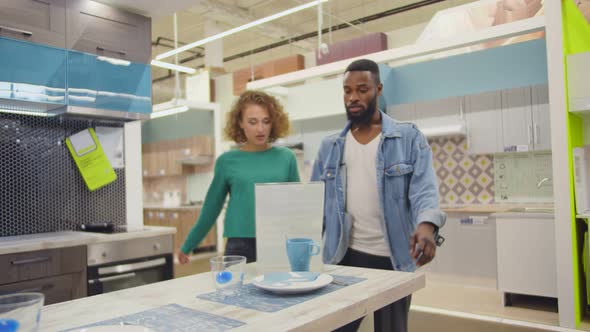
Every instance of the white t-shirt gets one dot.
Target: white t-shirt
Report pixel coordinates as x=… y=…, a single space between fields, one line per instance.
x=362 y=197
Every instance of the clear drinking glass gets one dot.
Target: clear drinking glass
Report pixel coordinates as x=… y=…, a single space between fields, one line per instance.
x=228 y=274
x=20 y=312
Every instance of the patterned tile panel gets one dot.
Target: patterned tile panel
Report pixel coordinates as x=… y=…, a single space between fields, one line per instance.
x=42 y=189
x=462 y=178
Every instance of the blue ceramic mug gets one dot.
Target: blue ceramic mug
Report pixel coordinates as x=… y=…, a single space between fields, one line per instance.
x=299 y=251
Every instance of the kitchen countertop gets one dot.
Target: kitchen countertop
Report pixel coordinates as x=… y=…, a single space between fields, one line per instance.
x=492 y=208
x=41 y=241
x=323 y=313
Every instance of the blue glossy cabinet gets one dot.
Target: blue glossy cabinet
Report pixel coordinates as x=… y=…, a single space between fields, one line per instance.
x=108 y=84
x=33 y=73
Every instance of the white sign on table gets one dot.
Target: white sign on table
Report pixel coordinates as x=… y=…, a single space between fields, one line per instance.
x=287 y=210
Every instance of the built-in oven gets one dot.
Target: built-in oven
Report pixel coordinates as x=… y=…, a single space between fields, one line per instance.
x=117 y=265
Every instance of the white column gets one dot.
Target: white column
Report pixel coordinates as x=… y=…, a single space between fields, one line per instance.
x=561 y=171
x=133 y=175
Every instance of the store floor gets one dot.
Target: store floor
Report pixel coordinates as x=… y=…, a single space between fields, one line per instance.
x=484 y=300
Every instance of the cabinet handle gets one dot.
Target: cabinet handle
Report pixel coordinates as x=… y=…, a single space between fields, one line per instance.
x=100 y=48
x=537 y=133
x=113 y=278
x=24 y=32
x=30 y=260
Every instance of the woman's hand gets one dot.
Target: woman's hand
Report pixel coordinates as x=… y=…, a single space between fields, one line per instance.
x=183 y=258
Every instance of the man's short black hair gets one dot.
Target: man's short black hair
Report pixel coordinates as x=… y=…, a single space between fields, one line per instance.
x=365 y=65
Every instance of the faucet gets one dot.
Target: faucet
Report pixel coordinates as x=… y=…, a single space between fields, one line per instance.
x=541 y=181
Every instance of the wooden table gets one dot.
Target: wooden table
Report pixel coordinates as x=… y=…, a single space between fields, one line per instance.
x=323 y=313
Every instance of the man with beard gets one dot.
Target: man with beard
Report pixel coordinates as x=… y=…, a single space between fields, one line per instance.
x=381 y=198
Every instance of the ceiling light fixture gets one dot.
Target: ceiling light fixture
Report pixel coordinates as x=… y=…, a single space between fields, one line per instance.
x=2 y=110
x=175 y=110
x=172 y=66
x=238 y=29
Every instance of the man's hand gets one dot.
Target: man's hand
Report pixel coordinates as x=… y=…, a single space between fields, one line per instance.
x=422 y=244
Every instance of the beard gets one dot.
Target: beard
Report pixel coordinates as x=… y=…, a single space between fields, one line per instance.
x=363 y=117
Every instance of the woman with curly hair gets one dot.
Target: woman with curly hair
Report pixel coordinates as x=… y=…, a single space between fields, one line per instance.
x=255 y=121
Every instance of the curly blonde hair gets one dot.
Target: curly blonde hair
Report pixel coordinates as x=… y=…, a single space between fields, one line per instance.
x=278 y=117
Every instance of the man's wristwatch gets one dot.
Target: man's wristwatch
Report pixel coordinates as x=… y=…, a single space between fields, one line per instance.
x=438 y=239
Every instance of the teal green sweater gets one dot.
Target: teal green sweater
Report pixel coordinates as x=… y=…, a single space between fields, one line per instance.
x=236 y=172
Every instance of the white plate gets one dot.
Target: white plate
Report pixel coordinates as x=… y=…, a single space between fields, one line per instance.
x=116 y=328
x=293 y=287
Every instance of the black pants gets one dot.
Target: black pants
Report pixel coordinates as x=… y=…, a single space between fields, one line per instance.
x=393 y=317
x=242 y=246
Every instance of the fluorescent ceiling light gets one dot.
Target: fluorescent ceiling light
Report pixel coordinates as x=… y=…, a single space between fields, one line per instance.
x=175 y=110
x=115 y=62
x=2 y=110
x=173 y=67
x=238 y=29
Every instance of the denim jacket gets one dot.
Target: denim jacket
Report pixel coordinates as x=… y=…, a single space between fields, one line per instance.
x=408 y=190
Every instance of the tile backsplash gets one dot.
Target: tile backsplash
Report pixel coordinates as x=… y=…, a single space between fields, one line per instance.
x=42 y=189
x=462 y=178
x=523 y=177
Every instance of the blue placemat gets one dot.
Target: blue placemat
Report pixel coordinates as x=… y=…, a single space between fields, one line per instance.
x=258 y=299
x=173 y=317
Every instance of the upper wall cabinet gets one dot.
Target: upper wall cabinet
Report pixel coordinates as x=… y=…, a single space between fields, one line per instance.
x=516 y=118
x=108 y=84
x=525 y=118
x=31 y=72
x=36 y=21
x=541 y=117
x=106 y=31
x=402 y=112
x=484 y=122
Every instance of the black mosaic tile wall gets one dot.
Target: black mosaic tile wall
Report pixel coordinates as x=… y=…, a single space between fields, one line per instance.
x=41 y=187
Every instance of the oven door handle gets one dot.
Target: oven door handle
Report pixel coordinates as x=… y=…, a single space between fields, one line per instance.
x=112 y=278
x=123 y=268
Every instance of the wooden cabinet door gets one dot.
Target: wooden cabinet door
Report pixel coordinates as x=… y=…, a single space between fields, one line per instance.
x=42 y=22
x=104 y=30
x=56 y=289
x=42 y=263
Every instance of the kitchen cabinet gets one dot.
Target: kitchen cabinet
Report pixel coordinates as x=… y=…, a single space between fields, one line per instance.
x=183 y=220
x=402 y=112
x=516 y=118
x=42 y=22
x=526 y=254
x=108 y=84
x=32 y=72
x=60 y=274
x=107 y=31
x=468 y=254
x=438 y=112
x=525 y=118
x=483 y=115
x=178 y=157
x=268 y=69
x=541 y=117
